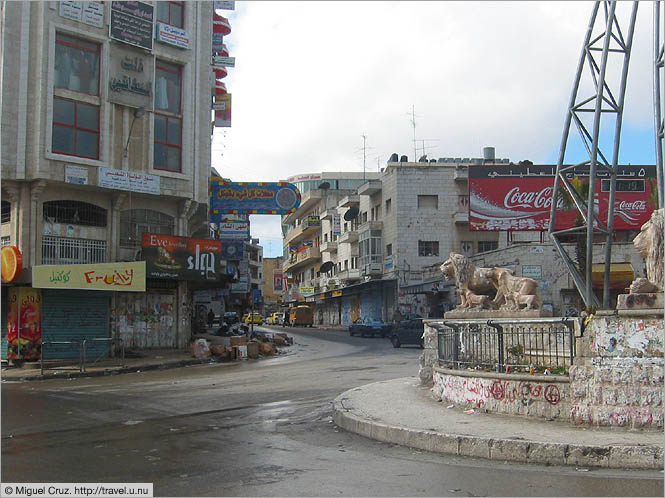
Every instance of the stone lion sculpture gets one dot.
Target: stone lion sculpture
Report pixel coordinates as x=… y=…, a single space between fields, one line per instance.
x=649 y=245
x=516 y=291
x=473 y=284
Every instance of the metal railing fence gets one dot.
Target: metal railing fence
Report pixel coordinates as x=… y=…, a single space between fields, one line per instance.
x=507 y=345
x=83 y=359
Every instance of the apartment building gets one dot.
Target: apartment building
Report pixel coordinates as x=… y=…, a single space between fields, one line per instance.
x=106 y=124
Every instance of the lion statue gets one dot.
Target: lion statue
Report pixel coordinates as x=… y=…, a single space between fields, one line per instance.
x=649 y=245
x=516 y=291
x=473 y=284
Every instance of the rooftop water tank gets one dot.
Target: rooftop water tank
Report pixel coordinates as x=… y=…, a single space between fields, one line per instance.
x=489 y=153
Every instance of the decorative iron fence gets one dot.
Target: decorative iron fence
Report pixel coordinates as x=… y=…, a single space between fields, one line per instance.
x=63 y=250
x=507 y=345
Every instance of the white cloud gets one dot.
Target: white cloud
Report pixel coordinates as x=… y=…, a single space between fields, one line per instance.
x=312 y=77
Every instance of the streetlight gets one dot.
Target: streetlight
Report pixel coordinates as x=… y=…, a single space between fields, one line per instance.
x=138 y=113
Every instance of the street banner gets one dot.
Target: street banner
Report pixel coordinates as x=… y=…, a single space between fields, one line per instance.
x=24 y=323
x=251 y=198
x=123 y=277
x=182 y=258
x=519 y=197
x=278 y=282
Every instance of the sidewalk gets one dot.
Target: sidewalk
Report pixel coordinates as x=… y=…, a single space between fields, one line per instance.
x=403 y=412
x=150 y=360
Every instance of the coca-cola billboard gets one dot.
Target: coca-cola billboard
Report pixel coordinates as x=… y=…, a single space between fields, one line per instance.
x=519 y=197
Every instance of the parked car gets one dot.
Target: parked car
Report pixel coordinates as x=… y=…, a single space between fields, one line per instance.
x=254 y=318
x=276 y=318
x=231 y=317
x=370 y=327
x=408 y=332
x=301 y=315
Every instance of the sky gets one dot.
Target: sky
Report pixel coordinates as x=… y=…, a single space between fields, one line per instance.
x=311 y=78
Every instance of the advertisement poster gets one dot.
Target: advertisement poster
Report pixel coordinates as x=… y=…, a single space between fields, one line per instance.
x=278 y=282
x=519 y=197
x=182 y=258
x=24 y=323
x=124 y=277
x=251 y=198
x=222 y=106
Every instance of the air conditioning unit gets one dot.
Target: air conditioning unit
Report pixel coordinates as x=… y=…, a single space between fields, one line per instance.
x=373 y=269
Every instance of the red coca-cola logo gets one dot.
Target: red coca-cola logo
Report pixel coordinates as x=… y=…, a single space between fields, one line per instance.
x=538 y=200
x=633 y=206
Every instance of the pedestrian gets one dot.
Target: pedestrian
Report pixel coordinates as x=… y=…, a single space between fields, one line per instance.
x=211 y=317
x=397 y=317
x=287 y=319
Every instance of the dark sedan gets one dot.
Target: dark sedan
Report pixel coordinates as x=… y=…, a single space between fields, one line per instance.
x=408 y=332
x=371 y=328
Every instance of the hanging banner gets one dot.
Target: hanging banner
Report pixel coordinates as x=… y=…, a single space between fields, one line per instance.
x=251 y=198
x=519 y=197
x=24 y=323
x=234 y=230
x=182 y=258
x=223 y=116
x=125 y=277
x=278 y=282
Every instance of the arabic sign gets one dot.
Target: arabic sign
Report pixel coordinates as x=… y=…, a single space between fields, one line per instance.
x=131 y=73
x=91 y=13
x=125 y=277
x=131 y=22
x=233 y=250
x=234 y=230
x=182 y=258
x=24 y=323
x=128 y=180
x=306 y=290
x=76 y=174
x=223 y=61
x=337 y=225
x=223 y=116
x=225 y=5
x=519 y=197
x=171 y=35
x=252 y=198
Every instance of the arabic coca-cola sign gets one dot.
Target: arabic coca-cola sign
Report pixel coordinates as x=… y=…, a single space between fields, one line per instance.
x=519 y=197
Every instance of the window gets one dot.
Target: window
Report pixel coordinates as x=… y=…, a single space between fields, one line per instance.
x=463 y=203
x=466 y=247
x=171 y=13
x=369 y=246
x=428 y=248
x=377 y=212
x=134 y=223
x=75 y=128
x=76 y=64
x=389 y=249
x=6 y=212
x=74 y=213
x=364 y=216
x=487 y=245
x=428 y=202
x=346 y=264
x=388 y=205
x=168 y=119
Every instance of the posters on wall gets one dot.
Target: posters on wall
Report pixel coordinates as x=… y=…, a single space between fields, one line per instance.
x=24 y=323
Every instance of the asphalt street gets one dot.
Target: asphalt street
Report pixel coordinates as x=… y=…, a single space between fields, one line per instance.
x=257 y=428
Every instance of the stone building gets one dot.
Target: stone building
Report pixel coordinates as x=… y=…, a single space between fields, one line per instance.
x=106 y=131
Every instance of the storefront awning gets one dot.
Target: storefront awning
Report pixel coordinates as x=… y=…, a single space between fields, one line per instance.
x=621 y=275
x=427 y=287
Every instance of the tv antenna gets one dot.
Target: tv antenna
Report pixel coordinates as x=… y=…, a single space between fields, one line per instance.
x=364 y=149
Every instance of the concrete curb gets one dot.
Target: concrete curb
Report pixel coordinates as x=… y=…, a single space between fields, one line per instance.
x=523 y=451
x=112 y=371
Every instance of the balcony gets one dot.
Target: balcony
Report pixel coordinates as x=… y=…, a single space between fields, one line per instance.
x=461 y=174
x=349 y=275
x=329 y=247
x=328 y=214
x=461 y=218
x=350 y=200
x=348 y=237
x=371 y=225
x=370 y=188
x=303 y=258
x=310 y=226
x=307 y=202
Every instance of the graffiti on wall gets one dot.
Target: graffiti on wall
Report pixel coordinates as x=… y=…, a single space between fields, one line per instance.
x=617 y=336
x=479 y=391
x=146 y=320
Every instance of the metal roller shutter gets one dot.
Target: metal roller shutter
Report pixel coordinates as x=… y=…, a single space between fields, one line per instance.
x=3 y=314
x=74 y=316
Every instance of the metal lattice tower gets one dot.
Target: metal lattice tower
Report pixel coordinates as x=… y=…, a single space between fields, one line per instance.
x=602 y=102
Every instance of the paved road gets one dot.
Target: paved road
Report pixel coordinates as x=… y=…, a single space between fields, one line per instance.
x=257 y=428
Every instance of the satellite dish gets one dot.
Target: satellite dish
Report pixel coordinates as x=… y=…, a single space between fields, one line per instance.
x=326 y=267
x=351 y=213
x=324 y=186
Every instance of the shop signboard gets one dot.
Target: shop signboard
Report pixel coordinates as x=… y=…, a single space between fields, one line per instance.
x=306 y=290
x=182 y=258
x=251 y=198
x=519 y=197
x=225 y=5
x=337 y=293
x=24 y=323
x=239 y=287
x=233 y=249
x=128 y=180
x=76 y=174
x=223 y=61
x=337 y=225
x=223 y=116
x=131 y=76
x=132 y=23
x=238 y=230
x=171 y=35
x=121 y=277
x=91 y=13
x=532 y=271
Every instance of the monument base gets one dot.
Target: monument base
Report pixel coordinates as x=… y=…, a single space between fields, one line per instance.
x=645 y=301
x=489 y=314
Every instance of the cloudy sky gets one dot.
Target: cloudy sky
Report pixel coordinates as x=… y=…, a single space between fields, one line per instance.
x=311 y=78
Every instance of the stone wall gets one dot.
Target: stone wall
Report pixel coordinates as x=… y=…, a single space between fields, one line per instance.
x=617 y=379
x=544 y=396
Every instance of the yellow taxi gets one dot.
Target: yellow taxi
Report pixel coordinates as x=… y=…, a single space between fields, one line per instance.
x=254 y=318
x=276 y=318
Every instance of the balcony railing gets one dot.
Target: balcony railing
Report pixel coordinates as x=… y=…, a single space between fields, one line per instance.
x=348 y=237
x=329 y=246
x=62 y=250
x=300 y=259
x=353 y=274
